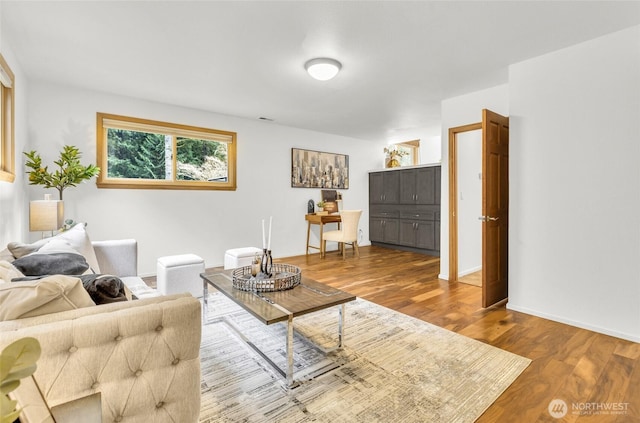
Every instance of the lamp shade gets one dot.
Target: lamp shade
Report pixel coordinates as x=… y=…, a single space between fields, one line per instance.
x=323 y=68
x=46 y=215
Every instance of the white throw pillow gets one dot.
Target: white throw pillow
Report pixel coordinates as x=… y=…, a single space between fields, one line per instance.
x=6 y=255
x=75 y=239
x=78 y=239
x=19 y=249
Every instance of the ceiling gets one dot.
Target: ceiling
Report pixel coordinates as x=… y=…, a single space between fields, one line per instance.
x=244 y=58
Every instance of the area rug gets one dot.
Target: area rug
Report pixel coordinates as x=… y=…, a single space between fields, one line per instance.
x=394 y=368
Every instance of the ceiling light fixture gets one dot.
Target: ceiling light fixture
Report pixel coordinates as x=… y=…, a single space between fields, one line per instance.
x=322 y=68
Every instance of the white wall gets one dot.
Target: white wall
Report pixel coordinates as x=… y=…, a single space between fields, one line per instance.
x=574 y=235
x=430 y=150
x=458 y=111
x=206 y=223
x=13 y=195
x=469 y=201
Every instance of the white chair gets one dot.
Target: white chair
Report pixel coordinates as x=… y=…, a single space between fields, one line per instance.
x=347 y=234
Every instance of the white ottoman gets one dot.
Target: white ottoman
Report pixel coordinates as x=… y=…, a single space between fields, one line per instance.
x=181 y=273
x=238 y=257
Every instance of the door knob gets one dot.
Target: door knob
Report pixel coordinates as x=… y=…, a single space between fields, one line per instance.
x=488 y=218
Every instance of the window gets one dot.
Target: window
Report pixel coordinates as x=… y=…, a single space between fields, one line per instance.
x=7 y=144
x=140 y=153
x=410 y=155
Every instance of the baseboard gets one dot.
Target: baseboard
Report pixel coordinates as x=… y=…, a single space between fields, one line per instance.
x=445 y=277
x=581 y=325
x=469 y=271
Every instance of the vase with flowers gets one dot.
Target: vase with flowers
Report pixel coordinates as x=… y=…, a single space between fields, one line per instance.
x=394 y=154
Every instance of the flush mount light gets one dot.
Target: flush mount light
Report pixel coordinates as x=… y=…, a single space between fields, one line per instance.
x=323 y=69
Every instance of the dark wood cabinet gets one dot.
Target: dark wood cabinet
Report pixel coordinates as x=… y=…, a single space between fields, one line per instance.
x=384 y=187
x=418 y=186
x=383 y=230
x=405 y=209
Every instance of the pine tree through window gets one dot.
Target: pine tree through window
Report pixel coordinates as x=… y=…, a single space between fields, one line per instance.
x=139 y=153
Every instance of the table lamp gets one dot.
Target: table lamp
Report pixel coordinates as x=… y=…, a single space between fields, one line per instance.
x=46 y=215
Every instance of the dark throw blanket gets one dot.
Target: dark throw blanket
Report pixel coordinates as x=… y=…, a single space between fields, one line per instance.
x=104 y=289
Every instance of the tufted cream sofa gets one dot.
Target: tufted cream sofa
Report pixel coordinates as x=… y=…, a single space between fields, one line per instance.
x=142 y=356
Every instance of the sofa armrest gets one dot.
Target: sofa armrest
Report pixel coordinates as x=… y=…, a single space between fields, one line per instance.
x=143 y=359
x=117 y=257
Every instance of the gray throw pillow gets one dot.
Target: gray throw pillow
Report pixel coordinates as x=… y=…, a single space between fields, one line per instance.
x=38 y=264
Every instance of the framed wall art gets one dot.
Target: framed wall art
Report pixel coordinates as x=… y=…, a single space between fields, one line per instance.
x=317 y=169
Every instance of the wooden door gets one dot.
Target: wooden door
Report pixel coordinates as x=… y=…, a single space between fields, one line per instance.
x=495 y=207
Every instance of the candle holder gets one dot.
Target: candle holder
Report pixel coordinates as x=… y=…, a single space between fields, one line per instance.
x=266 y=265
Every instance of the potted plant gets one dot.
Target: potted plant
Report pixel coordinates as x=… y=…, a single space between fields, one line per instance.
x=393 y=155
x=70 y=171
x=17 y=361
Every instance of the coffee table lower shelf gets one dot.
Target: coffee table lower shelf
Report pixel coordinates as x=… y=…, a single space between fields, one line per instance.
x=282 y=306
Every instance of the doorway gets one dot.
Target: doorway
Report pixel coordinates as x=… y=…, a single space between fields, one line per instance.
x=494 y=216
x=469 y=197
x=461 y=141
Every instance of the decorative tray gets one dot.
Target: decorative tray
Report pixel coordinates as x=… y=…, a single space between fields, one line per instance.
x=284 y=276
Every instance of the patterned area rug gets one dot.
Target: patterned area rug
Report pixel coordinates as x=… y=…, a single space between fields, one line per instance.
x=394 y=368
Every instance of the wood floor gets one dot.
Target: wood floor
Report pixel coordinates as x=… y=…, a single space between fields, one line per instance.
x=474 y=278
x=575 y=365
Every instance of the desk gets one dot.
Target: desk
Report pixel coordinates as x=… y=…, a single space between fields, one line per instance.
x=316 y=219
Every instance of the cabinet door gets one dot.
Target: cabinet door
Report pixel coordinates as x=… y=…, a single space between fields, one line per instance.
x=376 y=187
x=391 y=183
x=391 y=231
x=425 y=235
x=407 y=233
x=425 y=186
x=407 y=186
x=376 y=229
x=437 y=235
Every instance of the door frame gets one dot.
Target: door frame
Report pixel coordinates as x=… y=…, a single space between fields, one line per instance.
x=453 y=195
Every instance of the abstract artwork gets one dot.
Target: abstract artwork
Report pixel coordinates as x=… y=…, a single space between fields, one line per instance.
x=317 y=169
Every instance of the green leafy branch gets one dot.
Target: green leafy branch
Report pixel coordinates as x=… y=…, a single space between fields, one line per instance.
x=17 y=361
x=70 y=171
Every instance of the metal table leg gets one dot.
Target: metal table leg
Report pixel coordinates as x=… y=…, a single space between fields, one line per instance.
x=341 y=314
x=290 y=351
x=205 y=300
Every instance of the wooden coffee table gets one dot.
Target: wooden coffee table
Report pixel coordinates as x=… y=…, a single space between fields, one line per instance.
x=280 y=306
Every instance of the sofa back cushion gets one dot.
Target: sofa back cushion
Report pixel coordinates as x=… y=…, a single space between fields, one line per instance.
x=49 y=295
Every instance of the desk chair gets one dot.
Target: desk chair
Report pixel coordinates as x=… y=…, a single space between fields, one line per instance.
x=347 y=234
